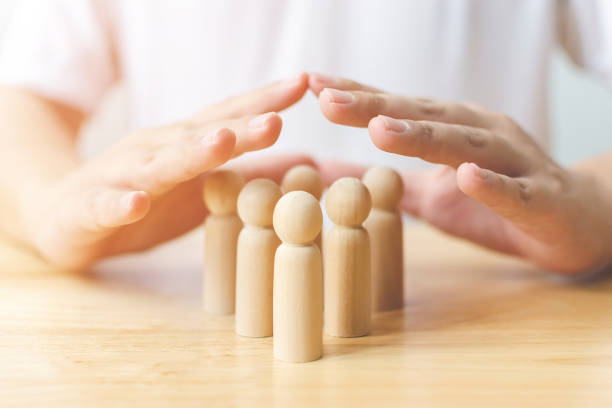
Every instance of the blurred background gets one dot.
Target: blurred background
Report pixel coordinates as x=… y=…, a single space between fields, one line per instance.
x=580 y=110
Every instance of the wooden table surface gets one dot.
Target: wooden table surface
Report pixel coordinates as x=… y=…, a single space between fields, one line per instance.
x=478 y=329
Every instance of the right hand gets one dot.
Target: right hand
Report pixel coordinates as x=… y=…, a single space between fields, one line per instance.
x=146 y=189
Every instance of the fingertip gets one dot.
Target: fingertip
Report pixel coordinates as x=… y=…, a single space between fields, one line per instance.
x=220 y=142
x=330 y=109
x=317 y=82
x=471 y=178
x=379 y=135
x=298 y=83
x=135 y=205
x=266 y=129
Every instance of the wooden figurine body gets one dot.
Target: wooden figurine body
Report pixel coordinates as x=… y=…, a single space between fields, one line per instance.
x=298 y=279
x=385 y=228
x=257 y=245
x=222 y=227
x=347 y=260
x=304 y=178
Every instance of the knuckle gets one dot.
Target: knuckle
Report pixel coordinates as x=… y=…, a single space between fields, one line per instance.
x=430 y=108
x=379 y=102
x=427 y=142
x=525 y=192
x=147 y=158
x=474 y=137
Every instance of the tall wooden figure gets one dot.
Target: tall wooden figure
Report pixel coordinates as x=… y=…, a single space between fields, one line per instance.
x=385 y=228
x=304 y=178
x=298 y=279
x=347 y=260
x=257 y=245
x=222 y=227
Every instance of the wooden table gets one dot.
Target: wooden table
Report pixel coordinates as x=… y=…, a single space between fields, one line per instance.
x=478 y=329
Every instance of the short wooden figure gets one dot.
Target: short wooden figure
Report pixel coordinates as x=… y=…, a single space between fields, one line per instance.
x=384 y=225
x=304 y=178
x=298 y=279
x=347 y=260
x=222 y=226
x=257 y=245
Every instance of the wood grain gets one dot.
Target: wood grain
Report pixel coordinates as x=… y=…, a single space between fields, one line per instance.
x=477 y=329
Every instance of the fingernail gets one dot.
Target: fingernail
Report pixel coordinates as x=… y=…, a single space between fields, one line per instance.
x=340 y=97
x=127 y=200
x=480 y=172
x=394 y=125
x=323 y=79
x=259 y=122
x=212 y=138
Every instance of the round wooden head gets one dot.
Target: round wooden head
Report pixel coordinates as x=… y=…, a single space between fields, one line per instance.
x=297 y=218
x=221 y=190
x=303 y=178
x=385 y=186
x=256 y=202
x=348 y=202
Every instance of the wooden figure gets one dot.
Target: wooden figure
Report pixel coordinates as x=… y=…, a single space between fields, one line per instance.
x=257 y=245
x=304 y=178
x=347 y=260
x=298 y=279
x=385 y=228
x=222 y=227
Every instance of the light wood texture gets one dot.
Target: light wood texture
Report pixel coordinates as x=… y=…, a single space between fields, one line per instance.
x=257 y=245
x=478 y=330
x=219 y=285
x=298 y=303
x=222 y=227
x=384 y=226
x=298 y=279
x=304 y=178
x=347 y=260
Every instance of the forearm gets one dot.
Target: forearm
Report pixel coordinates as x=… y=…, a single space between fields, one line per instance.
x=37 y=147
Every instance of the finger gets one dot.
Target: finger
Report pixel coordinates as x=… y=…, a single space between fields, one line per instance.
x=94 y=212
x=357 y=108
x=111 y=208
x=272 y=98
x=160 y=159
x=516 y=199
x=255 y=133
x=317 y=82
x=176 y=155
x=332 y=170
x=446 y=144
x=433 y=196
x=270 y=167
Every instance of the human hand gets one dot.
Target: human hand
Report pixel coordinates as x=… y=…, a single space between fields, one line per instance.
x=146 y=189
x=497 y=188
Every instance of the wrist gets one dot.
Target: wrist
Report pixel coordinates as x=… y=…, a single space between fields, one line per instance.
x=595 y=212
x=31 y=208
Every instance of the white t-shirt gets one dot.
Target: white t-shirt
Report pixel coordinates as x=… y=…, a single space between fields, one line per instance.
x=176 y=57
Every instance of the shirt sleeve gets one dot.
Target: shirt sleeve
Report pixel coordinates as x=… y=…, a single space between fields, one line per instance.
x=61 y=49
x=586 y=34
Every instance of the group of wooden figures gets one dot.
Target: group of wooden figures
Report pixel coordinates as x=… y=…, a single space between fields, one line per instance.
x=263 y=260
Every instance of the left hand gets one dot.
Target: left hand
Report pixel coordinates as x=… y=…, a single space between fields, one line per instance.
x=498 y=188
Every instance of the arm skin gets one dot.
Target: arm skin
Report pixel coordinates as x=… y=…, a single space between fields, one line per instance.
x=126 y=199
x=29 y=162
x=495 y=187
